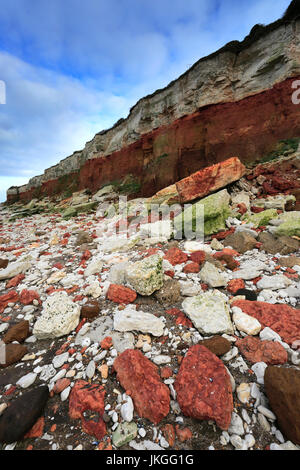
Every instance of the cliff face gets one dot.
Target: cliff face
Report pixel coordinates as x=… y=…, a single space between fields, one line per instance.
x=235 y=102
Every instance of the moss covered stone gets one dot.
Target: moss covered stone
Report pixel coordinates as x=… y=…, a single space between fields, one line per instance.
x=262 y=218
x=146 y=276
x=215 y=209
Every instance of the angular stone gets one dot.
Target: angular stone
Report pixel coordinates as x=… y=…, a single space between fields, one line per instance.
x=22 y=414
x=28 y=296
x=234 y=285
x=18 y=332
x=130 y=319
x=281 y=318
x=169 y=293
x=255 y=350
x=210 y=179
x=60 y=316
x=13 y=354
x=121 y=294
x=124 y=433
x=203 y=387
x=94 y=267
x=5 y=299
x=282 y=387
x=140 y=377
x=277 y=281
x=209 y=313
x=210 y=275
x=217 y=345
x=146 y=276
x=289 y=261
x=245 y=323
x=241 y=242
x=15 y=268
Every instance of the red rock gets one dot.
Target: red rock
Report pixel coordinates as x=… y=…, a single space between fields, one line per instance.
x=281 y=318
x=60 y=385
x=203 y=387
x=198 y=257
x=282 y=387
x=224 y=234
x=28 y=296
x=140 y=377
x=181 y=318
x=242 y=208
x=37 y=429
x=15 y=281
x=235 y=284
x=58 y=266
x=183 y=434
x=88 y=397
x=227 y=259
x=175 y=256
x=18 y=332
x=94 y=428
x=191 y=268
x=255 y=350
x=121 y=294
x=257 y=210
x=5 y=299
x=166 y=372
x=170 y=273
x=106 y=343
x=169 y=434
x=210 y=179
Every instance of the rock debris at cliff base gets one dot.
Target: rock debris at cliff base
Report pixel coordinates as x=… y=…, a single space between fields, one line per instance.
x=150 y=341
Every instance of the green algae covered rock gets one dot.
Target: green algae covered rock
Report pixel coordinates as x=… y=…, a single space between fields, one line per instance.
x=75 y=210
x=262 y=218
x=215 y=210
x=290 y=225
x=146 y=276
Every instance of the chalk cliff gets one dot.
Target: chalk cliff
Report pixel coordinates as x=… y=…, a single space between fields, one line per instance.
x=235 y=102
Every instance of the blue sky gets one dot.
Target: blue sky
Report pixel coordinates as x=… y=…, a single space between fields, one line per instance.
x=72 y=67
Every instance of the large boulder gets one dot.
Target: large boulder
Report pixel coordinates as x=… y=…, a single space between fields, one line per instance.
x=210 y=179
x=140 y=376
x=211 y=212
x=282 y=387
x=60 y=316
x=203 y=387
